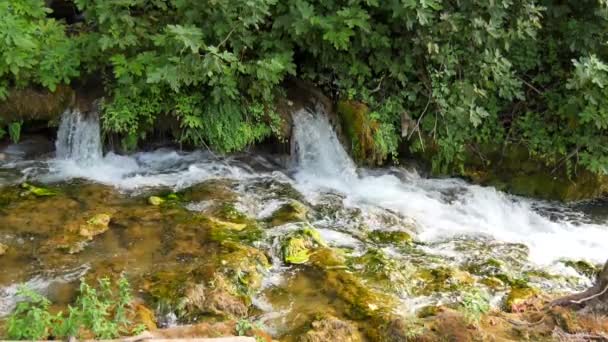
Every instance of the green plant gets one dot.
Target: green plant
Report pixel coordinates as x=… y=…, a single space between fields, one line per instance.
x=14 y=131
x=101 y=311
x=474 y=304
x=31 y=319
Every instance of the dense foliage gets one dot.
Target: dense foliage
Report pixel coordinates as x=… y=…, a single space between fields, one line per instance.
x=469 y=72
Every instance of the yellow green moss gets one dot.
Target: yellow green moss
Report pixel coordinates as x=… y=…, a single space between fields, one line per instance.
x=360 y=130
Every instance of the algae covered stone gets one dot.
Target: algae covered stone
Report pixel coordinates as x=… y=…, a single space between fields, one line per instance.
x=330 y=328
x=395 y=237
x=98 y=224
x=298 y=246
x=520 y=297
x=292 y=211
x=38 y=191
x=156 y=200
x=3 y=249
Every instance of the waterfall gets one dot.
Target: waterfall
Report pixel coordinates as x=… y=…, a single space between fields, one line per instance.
x=442 y=208
x=78 y=138
x=318 y=151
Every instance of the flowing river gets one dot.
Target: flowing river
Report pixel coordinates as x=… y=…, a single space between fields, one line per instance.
x=469 y=233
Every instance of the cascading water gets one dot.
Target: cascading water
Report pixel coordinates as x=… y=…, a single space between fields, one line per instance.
x=443 y=208
x=78 y=138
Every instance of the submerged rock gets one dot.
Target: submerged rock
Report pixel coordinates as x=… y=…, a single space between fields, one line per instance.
x=396 y=237
x=3 y=249
x=38 y=191
x=330 y=328
x=155 y=200
x=298 y=246
x=293 y=211
x=98 y=224
x=215 y=298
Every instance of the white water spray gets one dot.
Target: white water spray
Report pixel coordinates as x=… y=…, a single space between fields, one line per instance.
x=443 y=208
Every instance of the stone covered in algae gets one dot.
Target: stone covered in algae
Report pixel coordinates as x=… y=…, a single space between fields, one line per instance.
x=38 y=191
x=219 y=285
x=3 y=249
x=583 y=267
x=520 y=297
x=360 y=130
x=396 y=237
x=292 y=211
x=373 y=308
x=298 y=246
x=442 y=279
x=98 y=224
x=330 y=328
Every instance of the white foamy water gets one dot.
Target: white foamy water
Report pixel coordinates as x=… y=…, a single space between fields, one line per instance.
x=79 y=138
x=443 y=208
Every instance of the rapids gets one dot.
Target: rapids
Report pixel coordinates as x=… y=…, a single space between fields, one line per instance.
x=453 y=223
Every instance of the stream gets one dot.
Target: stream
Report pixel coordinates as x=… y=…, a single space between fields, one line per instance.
x=429 y=238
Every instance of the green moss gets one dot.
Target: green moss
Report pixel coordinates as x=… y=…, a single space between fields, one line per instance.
x=38 y=191
x=360 y=130
x=293 y=211
x=442 y=279
x=584 y=268
x=519 y=296
x=155 y=200
x=298 y=246
x=395 y=238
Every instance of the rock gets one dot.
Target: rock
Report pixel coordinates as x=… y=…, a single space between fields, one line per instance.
x=298 y=246
x=360 y=130
x=145 y=316
x=296 y=251
x=364 y=301
x=98 y=224
x=3 y=249
x=38 y=191
x=293 y=211
x=155 y=200
x=33 y=104
x=214 y=299
x=520 y=298
x=395 y=238
x=442 y=279
x=330 y=328
x=584 y=268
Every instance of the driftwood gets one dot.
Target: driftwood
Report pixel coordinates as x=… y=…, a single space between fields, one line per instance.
x=597 y=294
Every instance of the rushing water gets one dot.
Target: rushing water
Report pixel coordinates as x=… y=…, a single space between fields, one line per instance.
x=452 y=221
x=78 y=138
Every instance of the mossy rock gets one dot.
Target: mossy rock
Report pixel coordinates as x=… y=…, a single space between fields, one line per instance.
x=360 y=129
x=292 y=211
x=442 y=279
x=383 y=272
x=519 y=297
x=38 y=191
x=362 y=299
x=32 y=104
x=299 y=245
x=98 y=224
x=493 y=283
x=395 y=238
x=584 y=268
x=329 y=328
x=215 y=189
